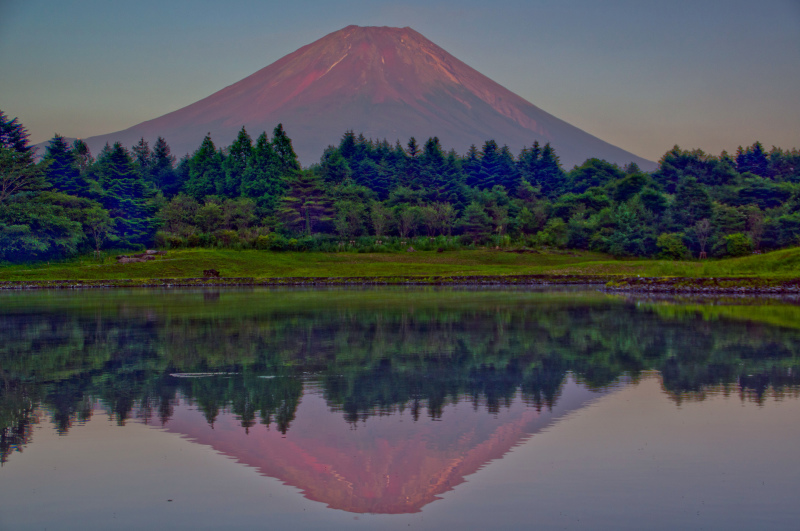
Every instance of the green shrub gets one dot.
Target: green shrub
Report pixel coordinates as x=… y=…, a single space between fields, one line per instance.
x=672 y=246
x=227 y=237
x=554 y=233
x=738 y=244
x=262 y=242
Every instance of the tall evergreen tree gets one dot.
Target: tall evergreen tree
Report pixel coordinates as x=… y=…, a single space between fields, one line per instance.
x=490 y=166
x=472 y=166
x=162 y=169
x=127 y=197
x=335 y=167
x=62 y=168
x=549 y=176
x=282 y=145
x=141 y=157
x=206 y=176
x=263 y=180
x=235 y=165
x=13 y=135
x=306 y=206
x=752 y=159
x=508 y=175
x=18 y=173
x=347 y=145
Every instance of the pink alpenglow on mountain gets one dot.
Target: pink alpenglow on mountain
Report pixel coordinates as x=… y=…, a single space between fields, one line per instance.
x=387 y=83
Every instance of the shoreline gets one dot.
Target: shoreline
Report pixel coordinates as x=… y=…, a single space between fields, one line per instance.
x=405 y=280
x=610 y=283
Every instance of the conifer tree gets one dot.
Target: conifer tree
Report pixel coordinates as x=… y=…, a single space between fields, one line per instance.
x=162 y=169
x=347 y=145
x=752 y=159
x=13 y=135
x=490 y=166
x=549 y=175
x=335 y=167
x=475 y=222
x=126 y=196
x=263 y=180
x=62 y=168
x=205 y=171
x=235 y=165
x=306 y=206
x=141 y=157
x=508 y=174
x=282 y=145
x=472 y=166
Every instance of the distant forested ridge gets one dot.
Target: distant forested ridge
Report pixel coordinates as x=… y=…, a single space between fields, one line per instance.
x=372 y=195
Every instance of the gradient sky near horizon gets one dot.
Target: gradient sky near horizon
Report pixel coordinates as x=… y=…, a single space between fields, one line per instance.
x=643 y=75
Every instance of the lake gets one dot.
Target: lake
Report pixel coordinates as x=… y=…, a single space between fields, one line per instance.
x=397 y=408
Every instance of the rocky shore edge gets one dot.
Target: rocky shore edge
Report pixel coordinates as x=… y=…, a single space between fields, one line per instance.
x=706 y=285
x=610 y=283
x=432 y=280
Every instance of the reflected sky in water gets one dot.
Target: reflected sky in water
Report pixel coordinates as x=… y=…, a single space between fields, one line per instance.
x=396 y=408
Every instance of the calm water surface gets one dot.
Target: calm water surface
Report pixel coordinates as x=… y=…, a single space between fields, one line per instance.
x=397 y=408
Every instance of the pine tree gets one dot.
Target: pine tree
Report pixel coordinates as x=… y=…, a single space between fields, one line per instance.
x=235 y=165
x=141 y=157
x=508 y=174
x=205 y=171
x=162 y=169
x=13 y=135
x=282 y=145
x=335 y=167
x=263 y=180
x=753 y=160
x=126 y=196
x=306 y=206
x=549 y=175
x=472 y=167
x=489 y=175
x=411 y=168
x=18 y=173
x=347 y=145
x=475 y=222
x=63 y=171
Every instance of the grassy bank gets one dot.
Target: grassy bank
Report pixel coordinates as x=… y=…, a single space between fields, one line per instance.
x=191 y=263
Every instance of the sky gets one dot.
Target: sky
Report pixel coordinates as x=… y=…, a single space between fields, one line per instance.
x=641 y=74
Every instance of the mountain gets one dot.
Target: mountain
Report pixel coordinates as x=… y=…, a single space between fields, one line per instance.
x=390 y=83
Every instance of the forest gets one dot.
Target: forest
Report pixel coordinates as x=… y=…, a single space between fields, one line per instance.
x=367 y=195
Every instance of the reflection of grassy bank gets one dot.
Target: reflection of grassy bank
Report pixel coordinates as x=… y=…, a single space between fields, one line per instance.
x=265 y=264
x=767 y=312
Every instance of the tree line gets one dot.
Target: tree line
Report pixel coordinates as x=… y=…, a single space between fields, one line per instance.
x=371 y=195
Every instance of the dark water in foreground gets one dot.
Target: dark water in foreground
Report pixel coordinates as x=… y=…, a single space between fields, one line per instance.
x=397 y=408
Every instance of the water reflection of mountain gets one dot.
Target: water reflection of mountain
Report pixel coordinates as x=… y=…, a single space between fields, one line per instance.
x=371 y=351
x=390 y=464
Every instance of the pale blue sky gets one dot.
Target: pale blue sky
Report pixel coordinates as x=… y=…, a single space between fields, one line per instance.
x=643 y=75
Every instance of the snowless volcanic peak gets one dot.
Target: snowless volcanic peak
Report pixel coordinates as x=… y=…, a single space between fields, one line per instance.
x=390 y=83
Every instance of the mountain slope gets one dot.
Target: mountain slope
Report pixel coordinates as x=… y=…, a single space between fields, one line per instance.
x=384 y=82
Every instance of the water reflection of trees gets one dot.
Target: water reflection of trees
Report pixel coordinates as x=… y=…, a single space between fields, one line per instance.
x=368 y=362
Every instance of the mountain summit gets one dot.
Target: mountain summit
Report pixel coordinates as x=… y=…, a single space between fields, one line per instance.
x=390 y=83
